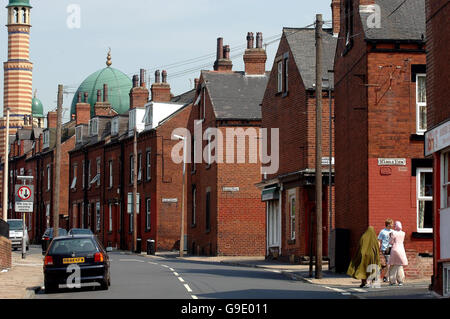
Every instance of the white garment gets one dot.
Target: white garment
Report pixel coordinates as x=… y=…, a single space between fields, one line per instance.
x=396 y=274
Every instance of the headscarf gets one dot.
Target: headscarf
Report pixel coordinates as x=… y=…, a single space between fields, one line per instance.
x=398 y=226
x=367 y=253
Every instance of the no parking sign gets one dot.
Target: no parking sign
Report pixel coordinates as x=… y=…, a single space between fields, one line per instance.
x=24 y=198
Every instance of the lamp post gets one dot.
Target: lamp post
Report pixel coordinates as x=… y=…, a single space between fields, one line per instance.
x=182 y=196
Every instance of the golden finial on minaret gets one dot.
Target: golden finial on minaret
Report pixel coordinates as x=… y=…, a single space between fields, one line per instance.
x=108 y=59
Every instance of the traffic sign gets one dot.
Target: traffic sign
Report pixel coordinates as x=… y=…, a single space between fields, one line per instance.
x=24 y=198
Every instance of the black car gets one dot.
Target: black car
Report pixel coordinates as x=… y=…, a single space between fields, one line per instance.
x=79 y=231
x=84 y=251
x=48 y=237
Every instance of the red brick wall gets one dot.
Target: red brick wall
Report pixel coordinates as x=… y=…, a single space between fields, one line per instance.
x=438 y=73
x=5 y=253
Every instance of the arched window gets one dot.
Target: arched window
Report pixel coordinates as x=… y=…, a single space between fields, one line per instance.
x=16 y=15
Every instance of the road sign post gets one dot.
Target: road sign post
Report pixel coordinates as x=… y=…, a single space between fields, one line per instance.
x=24 y=197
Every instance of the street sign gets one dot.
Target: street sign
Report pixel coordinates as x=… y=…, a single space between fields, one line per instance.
x=24 y=198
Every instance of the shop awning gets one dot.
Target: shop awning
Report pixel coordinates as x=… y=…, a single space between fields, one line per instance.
x=271 y=193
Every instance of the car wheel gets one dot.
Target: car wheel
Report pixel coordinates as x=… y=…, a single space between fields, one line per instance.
x=104 y=285
x=49 y=288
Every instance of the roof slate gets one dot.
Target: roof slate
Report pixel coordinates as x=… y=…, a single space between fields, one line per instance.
x=400 y=20
x=235 y=95
x=302 y=42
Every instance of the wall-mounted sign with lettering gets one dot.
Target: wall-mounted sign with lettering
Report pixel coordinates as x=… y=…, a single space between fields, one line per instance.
x=437 y=139
x=170 y=200
x=230 y=189
x=392 y=162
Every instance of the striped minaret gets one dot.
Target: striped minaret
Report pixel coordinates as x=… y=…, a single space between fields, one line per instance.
x=18 y=72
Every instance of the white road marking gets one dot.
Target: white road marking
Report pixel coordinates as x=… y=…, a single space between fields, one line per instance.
x=194 y=297
x=335 y=289
x=171 y=269
x=188 y=288
x=180 y=279
x=165 y=266
x=358 y=290
x=140 y=261
x=150 y=262
x=175 y=273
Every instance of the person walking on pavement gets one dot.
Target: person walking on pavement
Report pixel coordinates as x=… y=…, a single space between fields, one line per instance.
x=367 y=253
x=385 y=246
x=398 y=256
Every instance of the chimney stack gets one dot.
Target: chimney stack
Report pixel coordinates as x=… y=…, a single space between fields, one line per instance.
x=105 y=92
x=52 y=119
x=99 y=96
x=83 y=111
x=139 y=93
x=255 y=58
x=336 y=14
x=223 y=62
x=161 y=90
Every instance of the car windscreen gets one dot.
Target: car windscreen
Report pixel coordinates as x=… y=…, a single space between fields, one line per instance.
x=15 y=224
x=81 y=232
x=61 y=232
x=72 y=245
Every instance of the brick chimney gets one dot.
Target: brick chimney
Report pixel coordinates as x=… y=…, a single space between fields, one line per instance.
x=52 y=119
x=161 y=90
x=139 y=93
x=103 y=108
x=82 y=110
x=223 y=62
x=255 y=58
x=336 y=14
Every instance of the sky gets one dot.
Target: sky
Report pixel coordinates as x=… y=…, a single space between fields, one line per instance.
x=148 y=34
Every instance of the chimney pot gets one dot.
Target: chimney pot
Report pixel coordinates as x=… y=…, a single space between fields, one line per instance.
x=250 y=40
x=259 y=40
x=226 y=52
x=79 y=97
x=164 y=76
x=99 y=95
x=157 y=76
x=86 y=95
x=135 y=80
x=219 y=48
x=142 y=78
x=105 y=92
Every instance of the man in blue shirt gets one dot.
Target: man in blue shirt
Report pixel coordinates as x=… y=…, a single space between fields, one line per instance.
x=385 y=247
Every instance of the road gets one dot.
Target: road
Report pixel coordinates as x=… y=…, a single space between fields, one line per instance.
x=138 y=277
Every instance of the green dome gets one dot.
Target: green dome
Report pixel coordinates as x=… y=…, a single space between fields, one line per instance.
x=37 y=109
x=119 y=86
x=19 y=3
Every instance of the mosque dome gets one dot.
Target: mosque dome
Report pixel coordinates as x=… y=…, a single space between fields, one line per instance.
x=119 y=86
x=37 y=109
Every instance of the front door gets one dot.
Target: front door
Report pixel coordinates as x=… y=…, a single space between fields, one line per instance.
x=273 y=226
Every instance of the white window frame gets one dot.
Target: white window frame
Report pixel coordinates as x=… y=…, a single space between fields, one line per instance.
x=84 y=174
x=49 y=172
x=280 y=76
x=75 y=173
x=47 y=215
x=98 y=170
x=111 y=177
x=131 y=169
x=110 y=217
x=420 y=198
x=445 y=180
x=98 y=219
x=148 y=212
x=419 y=105
x=93 y=127
x=89 y=174
x=114 y=126
x=292 y=215
x=78 y=134
x=139 y=163
x=46 y=142
x=148 y=158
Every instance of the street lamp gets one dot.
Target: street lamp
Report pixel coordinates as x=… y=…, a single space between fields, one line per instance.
x=182 y=196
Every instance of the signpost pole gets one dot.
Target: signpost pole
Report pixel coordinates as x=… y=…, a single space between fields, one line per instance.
x=24 y=195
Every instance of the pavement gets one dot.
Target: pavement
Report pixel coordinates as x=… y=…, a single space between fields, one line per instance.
x=25 y=276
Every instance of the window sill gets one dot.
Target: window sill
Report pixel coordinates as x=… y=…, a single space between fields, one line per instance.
x=422 y=235
x=285 y=94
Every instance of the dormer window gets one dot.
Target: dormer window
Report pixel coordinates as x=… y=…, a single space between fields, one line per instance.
x=93 y=127
x=78 y=134
x=46 y=139
x=114 y=126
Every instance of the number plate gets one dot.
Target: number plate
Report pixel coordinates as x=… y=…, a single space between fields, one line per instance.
x=79 y=260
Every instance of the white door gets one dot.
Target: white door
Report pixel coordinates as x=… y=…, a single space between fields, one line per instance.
x=273 y=224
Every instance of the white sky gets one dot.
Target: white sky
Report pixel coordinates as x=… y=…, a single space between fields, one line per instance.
x=147 y=34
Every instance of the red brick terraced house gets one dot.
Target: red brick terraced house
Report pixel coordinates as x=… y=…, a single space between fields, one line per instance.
x=224 y=208
x=437 y=138
x=380 y=97
x=102 y=167
x=289 y=105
